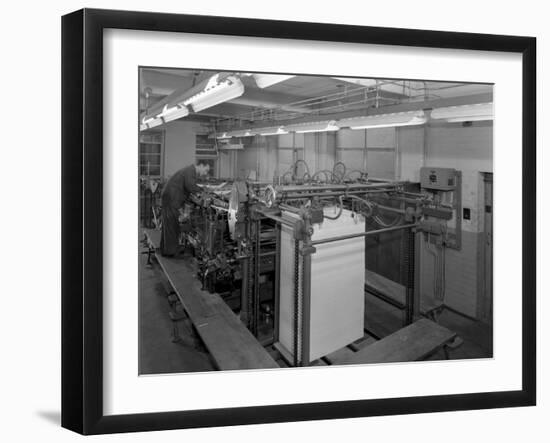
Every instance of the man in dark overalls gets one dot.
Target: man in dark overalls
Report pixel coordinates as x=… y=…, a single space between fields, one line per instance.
x=176 y=192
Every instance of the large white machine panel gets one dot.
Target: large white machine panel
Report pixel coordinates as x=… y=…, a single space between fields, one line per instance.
x=337 y=285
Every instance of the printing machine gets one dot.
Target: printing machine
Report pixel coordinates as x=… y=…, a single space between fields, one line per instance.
x=245 y=233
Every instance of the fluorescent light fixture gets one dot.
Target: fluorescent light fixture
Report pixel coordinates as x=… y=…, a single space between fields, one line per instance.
x=173 y=113
x=231 y=147
x=384 y=120
x=464 y=113
x=215 y=92
x=303 y=128
x=278 y=130
x=241 y=133
x=223 y=135
x=148 y=123
x=267 y=80
x=369 y=82
x=167 y=115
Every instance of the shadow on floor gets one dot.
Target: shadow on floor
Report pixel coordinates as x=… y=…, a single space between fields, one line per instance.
x=53 y=417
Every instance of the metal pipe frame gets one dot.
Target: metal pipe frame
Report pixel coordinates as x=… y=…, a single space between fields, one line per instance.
x=390 y=209
x=256 y=302
x=278 y=219
x=276 y=292
x=409 y=261
x=362 y=234
x=306 y=308
x=244 y=291
x=336 y=186
x=333 y=193
x=296 y=322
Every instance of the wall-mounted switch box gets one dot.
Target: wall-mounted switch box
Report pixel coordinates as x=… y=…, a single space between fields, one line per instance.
x=439 y=179
x=466 y=213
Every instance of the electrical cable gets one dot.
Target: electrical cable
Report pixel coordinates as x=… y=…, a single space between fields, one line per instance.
x=294 y=169
x=339 y=212
x=339 y=178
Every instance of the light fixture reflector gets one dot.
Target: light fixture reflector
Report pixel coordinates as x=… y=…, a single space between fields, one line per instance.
x=173 y=113
x=148 y=123
x=241 y=133
x=464 y=113
x=278 y=130
x=411 y=118
x=267 y=80
x=215 y=92
x=303 y=128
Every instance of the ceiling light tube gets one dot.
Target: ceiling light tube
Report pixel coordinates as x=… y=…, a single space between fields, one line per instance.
x=216 y=92
x=267 y=80
x=241 y=133
x=313 y=127
x=278 y=130
x=173 y=113
x=384 y=120
x=464 y=113
x=148 y=123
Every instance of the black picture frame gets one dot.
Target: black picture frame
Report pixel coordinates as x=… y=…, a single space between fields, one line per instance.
x=82 y=259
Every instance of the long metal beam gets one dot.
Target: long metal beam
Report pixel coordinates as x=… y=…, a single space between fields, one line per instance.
x=361 y=234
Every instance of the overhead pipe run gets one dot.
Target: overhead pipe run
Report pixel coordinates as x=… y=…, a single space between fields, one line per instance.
x=476 y=112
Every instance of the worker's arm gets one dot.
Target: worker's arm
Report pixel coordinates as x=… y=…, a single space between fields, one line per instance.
x=191 y=183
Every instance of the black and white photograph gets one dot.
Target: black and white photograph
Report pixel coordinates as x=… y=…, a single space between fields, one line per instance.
x=291 y=221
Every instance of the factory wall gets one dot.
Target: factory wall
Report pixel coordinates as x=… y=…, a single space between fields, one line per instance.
x=268 y=156
x=228 y=163
x=370 y=150
x=468 y=149
x=180 y=144
x=258 y=160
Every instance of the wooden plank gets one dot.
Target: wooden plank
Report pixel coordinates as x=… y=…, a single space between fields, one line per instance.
x=415 y=342
x=341 y=355
x=232 y=346
x=153 y=237
x=385 y=286
x=188 y=289
x=378 y=283
x=229 y=342
x=363 y=343
x=318 y=362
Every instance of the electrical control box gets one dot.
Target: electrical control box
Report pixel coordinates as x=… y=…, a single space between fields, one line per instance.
x=439 y=179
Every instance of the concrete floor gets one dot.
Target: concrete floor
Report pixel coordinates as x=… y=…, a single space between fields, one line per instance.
x=168 y=346
x=165 y=346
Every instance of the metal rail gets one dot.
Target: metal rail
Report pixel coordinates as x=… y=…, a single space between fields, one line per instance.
x=336 y=186
x=362 y=234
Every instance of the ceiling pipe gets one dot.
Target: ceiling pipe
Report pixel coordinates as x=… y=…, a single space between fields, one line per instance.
x=403 y=107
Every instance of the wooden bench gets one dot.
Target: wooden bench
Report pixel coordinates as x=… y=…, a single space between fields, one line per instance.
x=228 y=341
x=414 y=342
x=395 y=294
